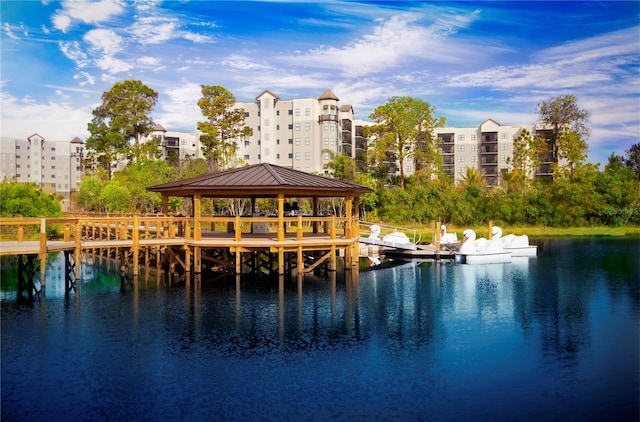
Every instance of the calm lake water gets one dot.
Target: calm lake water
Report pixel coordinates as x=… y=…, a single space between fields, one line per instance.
x=549 y=338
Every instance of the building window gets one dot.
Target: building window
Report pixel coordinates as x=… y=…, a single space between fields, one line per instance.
x=504 y=135
x=326 y=141
x=277 y=141
x=307 y=156
x=474 y=159
x=460 y=138
x=460 y=148
x=504 y=158
x=461 y=159
x=297 y=126
x=246 y=157
x=297 y=112
x=474 y=137
x=290 y=155
x=246 y=114
x=297 y=141
x=277 y=127
x=325 y=156
x=290 y=112
x=277 y=112
x=307 y=141
x=504 y=147
x=297 y=156
x=290 y=141
x=332 y=141
x=307 y=126
x=307 y=111
x=474 y=147
x=290 y=127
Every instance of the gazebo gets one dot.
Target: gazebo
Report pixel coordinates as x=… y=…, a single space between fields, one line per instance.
x=269 y=181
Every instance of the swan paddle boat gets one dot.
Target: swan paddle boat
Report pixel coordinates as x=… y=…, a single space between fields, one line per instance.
x=518 y=245
x=480 y=251
x=447 y=238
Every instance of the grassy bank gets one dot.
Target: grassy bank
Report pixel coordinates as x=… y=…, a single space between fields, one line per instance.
x=538 y=231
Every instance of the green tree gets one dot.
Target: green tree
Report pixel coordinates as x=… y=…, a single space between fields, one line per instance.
x=574 y=152
x=137 y=177
x=89 y=196
x=403 y=130
x=124 y=115
x=27 y=200
x=223 y=128
x=342 y=166
x=116 y=197
x=632 y=159
x=562 y=116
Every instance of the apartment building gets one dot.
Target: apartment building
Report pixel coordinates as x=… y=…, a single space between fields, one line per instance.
x=55 y=166
x=303 y=133
x=177 y=146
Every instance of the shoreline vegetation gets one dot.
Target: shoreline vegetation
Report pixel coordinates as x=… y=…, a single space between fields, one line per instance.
x=538 y=231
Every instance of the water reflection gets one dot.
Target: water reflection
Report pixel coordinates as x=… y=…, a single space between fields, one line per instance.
x=554 y=337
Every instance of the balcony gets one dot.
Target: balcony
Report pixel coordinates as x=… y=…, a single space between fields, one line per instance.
x=446 y=149
x=489 y=149
x=489 y=138
x=327 y=118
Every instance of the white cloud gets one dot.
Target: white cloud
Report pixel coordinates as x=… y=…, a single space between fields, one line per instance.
x=180 y=111
x=112 y=65
x=74 y=53
x=104 y=41
x=23 y=117
x=159 y=29
x=90 y=12
x=392 y=43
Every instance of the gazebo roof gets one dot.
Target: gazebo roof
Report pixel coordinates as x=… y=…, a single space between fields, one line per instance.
x=260 y=181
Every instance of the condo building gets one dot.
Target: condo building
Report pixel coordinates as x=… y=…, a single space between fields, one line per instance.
x=55 y=166
x=304 y=133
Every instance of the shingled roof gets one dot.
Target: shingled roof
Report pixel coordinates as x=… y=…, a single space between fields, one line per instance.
x=260 y=181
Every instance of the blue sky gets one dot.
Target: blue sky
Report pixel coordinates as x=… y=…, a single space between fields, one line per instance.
x=470 y=60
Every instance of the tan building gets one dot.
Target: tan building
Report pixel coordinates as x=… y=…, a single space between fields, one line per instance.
x=302 y=133
x=55 y=166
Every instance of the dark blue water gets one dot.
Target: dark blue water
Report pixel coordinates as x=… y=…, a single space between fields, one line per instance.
x=549 y=338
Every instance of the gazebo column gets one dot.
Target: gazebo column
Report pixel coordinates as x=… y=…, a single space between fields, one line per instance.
x=197 y=231
x=355 y=250
x=315 y=214
x=280 y=217
x=165 y=204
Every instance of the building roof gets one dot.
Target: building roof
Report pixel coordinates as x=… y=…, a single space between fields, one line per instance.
x=158 y=128
x=260 y=181
x=328 y=95
x=77 y=140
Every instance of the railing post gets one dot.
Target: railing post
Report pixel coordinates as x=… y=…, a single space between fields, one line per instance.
x=20 y=232
x=299 y=230
x=238 y=229
x=67 y=234
x=333 y=227
x=135 y=245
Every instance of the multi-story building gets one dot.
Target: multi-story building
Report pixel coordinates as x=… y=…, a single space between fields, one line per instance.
x=489 y=148
x=177 y=146
x=55 y=166
x=302 y=133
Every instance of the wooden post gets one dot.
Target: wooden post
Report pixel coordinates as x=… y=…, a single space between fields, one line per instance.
x=135 y=245
x=43 y=249
x=489 y=236
x=300 y=262
x=280 y=260
x=238 y=261
x=348 y=227
x=197 y=260
x=315 y=214
x=280 y=217
x=78 y=251
x=238 y=229
x=165 y=204
x=197 y=231
x=332 y=230
x=299 y=229
x=438 y=236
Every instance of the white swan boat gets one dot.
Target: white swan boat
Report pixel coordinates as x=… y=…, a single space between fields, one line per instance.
x=518 y=245
x=447 y=238
x=480 y=251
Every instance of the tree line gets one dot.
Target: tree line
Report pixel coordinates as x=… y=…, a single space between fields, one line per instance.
x=579 y=193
